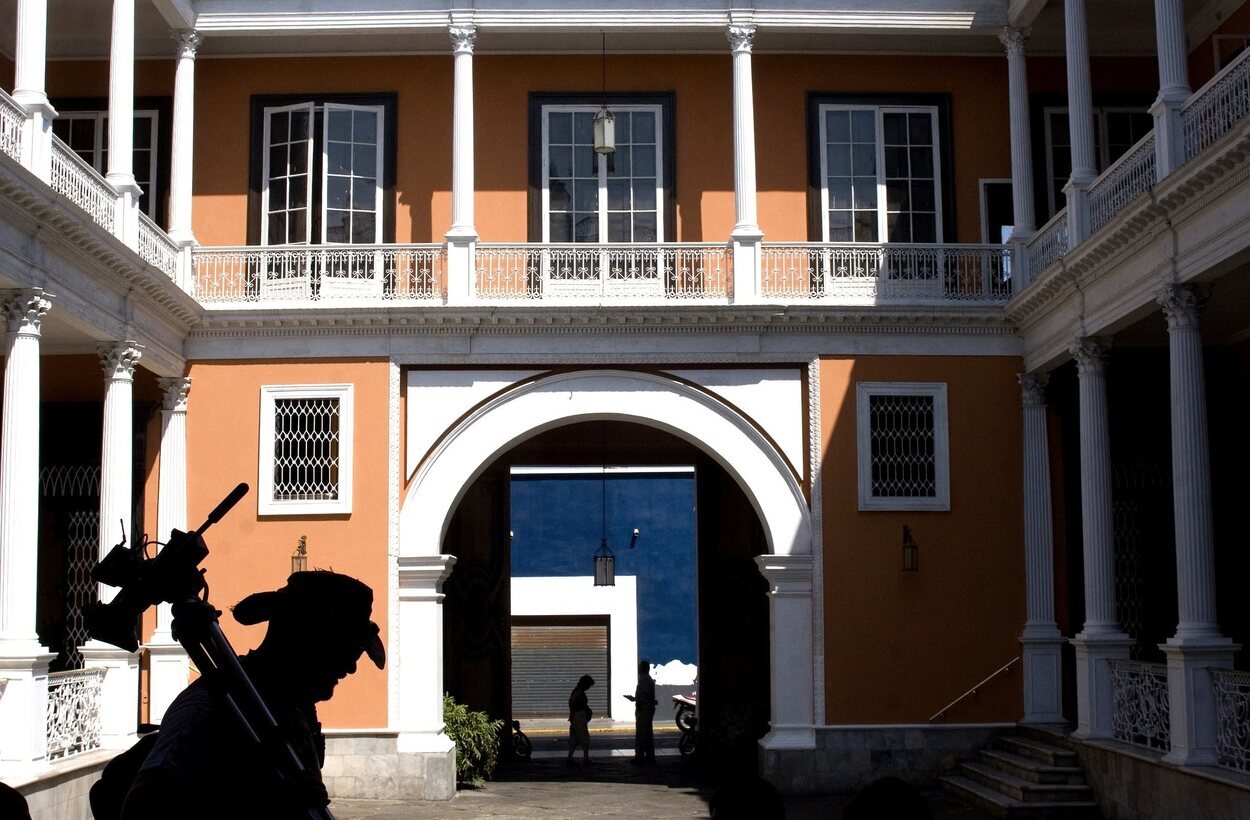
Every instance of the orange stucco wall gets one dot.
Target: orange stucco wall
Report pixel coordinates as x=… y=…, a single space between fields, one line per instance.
x=900 y=646
x=1202 y=65
x=250 y=553
x=90 y=78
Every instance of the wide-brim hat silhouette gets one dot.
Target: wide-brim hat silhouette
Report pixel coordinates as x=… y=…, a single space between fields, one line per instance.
x=320 y=601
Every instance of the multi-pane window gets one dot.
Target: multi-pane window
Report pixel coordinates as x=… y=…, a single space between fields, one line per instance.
x=86 y=134
x=902 y=442
x=1116 y=129
x=880 y=173
x=589 y=197
x=306 y=435
x=322 y=177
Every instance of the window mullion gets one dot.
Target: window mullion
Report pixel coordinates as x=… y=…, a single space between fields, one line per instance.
x=882 y=205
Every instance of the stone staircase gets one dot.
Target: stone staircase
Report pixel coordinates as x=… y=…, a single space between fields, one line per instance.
x=1023 y=775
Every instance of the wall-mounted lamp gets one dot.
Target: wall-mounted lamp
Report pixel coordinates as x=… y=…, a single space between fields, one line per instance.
x=299 y=558
x=911 y=552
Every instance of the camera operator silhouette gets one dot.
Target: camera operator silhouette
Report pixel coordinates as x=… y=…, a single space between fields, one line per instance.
x=202 y=764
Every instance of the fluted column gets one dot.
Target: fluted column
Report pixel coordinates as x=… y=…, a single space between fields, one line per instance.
x=29 y=88
x=1101 y=640
x=169 y=663
x=23 y=661
x=420 y=665
x=1198 y=645
x=183 y=143
x=1021 y=155
x=1173 y=85
x=1080 y=121
x=121 y=124
x=462 y=237
x=793 y=705
x=746 y=233
x=1041 y=641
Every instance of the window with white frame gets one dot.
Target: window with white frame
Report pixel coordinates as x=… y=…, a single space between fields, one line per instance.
x=903 y=455
x=1116 y=129
x=305 y=449
x=86 y=134
x=880 y=173
x=589 y=197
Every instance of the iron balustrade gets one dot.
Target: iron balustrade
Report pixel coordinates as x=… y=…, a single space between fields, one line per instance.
x=1232 y=714
x=1048 y=245
x=156 y=248
x=1213 y=109
x=848 y=273
x=1130 y=176
x=319 y=273
x=77 y=181
x=11 y=119
x=73 y=713
x=1141 y=707
x=603 y=271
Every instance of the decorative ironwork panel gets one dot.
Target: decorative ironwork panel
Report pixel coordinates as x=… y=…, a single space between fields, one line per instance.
x=1142 y=710
x=156 y=248
x=1232 y=714
x=11 y=118
x=1212 y=111
x=306 y=449
x=1049 y=245
x=84 y=535
x=903 y=442
x=73 y=715
x=1130 y=176
x=82 y=185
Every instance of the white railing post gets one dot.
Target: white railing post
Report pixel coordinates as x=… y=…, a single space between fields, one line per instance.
x=747 y=235
x=29 y=86
x=1080 y=122
x=183 y=141
x=462 y=237
x=1173 y=86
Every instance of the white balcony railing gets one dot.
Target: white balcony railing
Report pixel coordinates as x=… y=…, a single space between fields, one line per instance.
x=871 y=274
x=1130 y=176
x=1141 y=709
x=1232 y=712
x=1214 y=108
x=11 y=118
x=624 y=272
x=319 y=273
x=1048 y=245
x=156 y=248
x=82 y=185
x=73 y=716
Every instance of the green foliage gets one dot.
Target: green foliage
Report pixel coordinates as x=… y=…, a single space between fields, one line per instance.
x=477 y=742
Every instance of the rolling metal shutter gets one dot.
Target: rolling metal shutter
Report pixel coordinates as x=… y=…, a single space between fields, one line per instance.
x=548 y=657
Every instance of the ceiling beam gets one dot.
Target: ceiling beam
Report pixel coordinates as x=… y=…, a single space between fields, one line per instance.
x=1022 y=13
x=178 y=13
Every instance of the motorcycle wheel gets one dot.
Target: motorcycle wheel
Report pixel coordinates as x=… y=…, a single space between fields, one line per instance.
x=687 y=744
x=521 y=746
x=685 y=718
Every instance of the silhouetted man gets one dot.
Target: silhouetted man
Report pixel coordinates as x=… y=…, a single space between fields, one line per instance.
x=644 y=715
x=579 y=720
x=203 y=765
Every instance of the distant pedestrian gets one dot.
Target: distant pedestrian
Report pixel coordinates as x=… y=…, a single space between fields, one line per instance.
x=579 y=720
x=644 y=715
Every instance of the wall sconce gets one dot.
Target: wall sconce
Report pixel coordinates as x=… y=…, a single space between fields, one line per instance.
x=299 y=558
x=911 y=552
x=605 y=566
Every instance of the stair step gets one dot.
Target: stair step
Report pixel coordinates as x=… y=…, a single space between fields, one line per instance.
x=1032 y=770
x=1025 y=791
x=1000 y=805
x=1037 y=750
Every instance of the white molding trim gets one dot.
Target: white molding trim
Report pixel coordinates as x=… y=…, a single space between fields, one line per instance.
x=393 y=484
x=603 y=470
x=815 y=488
x=265 y=503
x=941 y=500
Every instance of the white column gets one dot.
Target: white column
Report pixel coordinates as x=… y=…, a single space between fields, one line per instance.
x=29 y=88
x=462 y=237
x=23 y=661
x=420 y=665
x=791 y=675
x=120 y=696
x=1173 y=85
x=1041 y=641
x=169 y=663
x=1080 y=122
x=1021 y=155
x=746 y=235
x=121 y=123
x=1101 y=640
x=183 y=143
x=1198 y=645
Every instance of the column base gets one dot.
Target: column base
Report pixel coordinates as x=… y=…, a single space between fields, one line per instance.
x=1194 y=723
x=789 y=737
x=1041 y=653
x=170 y=672
x=427 y=762
x=747 y=260
x=119 y=707
x=461 y=267
x=23 y=711
x=1095 y=697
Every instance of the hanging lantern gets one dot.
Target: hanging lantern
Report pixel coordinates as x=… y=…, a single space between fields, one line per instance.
x=605 y=566
x=605 y=131
x=911 y=552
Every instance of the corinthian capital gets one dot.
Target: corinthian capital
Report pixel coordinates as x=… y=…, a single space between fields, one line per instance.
x=175 y=392
x=1090 y=354
x=1182 y=304
x=187 y=42
x=463 y=38
x=741 y=38
x=24 y=310
x=1013 y=40
x=119 y=359
x=1033 y=388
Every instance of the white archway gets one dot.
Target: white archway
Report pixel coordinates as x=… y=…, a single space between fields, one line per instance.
x=532 y=407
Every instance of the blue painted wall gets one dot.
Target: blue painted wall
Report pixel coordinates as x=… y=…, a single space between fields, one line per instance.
x=557 y=526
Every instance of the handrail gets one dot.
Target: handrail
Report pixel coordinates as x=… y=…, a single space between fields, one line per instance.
x=1001 y=670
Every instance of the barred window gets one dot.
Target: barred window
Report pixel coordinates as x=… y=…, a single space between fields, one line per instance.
x=305 y=449
x=903 y=458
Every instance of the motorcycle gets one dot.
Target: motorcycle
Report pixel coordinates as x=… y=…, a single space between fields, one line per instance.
x=687 y=722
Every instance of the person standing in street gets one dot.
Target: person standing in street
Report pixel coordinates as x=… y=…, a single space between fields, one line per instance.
x=579 y=720
x=644 y=716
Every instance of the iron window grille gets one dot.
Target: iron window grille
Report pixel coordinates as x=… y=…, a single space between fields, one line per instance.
x=306 y=452
x=903 y=453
